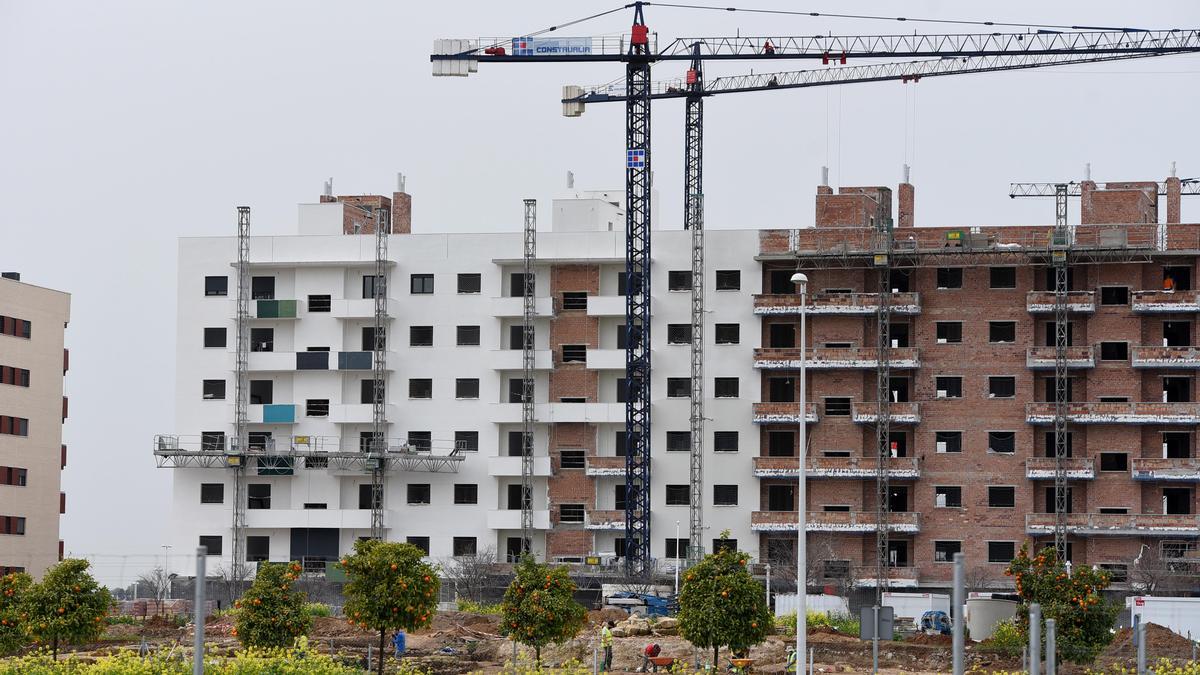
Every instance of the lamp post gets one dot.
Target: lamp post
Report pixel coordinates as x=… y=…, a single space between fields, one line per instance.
x=801 y=282
x=677 y=558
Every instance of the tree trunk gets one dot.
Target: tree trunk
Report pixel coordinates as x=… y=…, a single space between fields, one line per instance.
x=716 y=655
x=380 y=651
x=537 y=658
x=54 y=647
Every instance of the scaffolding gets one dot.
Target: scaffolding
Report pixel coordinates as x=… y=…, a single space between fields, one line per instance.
x=883 y=388
x=203 y=452
x=1060 y=246
x=379 y=421
x=241 y=393
x=529 y=287
x=693 y=219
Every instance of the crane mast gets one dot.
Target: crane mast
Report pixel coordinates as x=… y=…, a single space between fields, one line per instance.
x=693 y=219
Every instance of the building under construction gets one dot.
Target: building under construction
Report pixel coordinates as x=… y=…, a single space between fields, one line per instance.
x=970 y=388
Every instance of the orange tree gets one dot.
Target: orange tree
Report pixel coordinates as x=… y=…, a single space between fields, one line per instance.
x=539 y=607
x=13 y=588
x=68 y=606
x=1083 y=618
x=272 y=613
x=720 y=604
x=390 y=587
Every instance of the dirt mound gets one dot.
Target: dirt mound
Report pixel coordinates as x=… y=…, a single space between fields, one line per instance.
x=598 y=616
x=936 y=639
x=332 y=626
x=160 y=626
x=1160 y=642
x=122 y=631
x=827 y=634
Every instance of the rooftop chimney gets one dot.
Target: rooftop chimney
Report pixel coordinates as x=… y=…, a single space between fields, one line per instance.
x=1174 y=190
x=327 y=192
x=907 y=196
x=401 y=208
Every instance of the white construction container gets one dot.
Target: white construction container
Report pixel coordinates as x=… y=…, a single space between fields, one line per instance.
x=910 y=606
x=983 y=613
x=786 y=603
x=1181 y=615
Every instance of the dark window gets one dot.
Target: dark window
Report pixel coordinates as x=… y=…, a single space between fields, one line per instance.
x=369 y=496
x=1001 y=551
x=619 y=497
x=469 y=283
x=947 y=387
x=574 y=353
x=725 y=441
x=212 y=441
x=679 y=280
x=212 y=493
x=420 y=542
x=316 y=506
x=1003 y=277
x=724 y=545
x=679 y=441
x=468 y=336
x=515 y=334
x=837 y=407
x=1118 y=572
x=316 y=407
x=623 y=283
x=216 y=285
x=949 y=332
x=367 y=391
x=420 y=441
x=262 y=339
x=258 y=496
x=466 y=388
x=571 y=459
x=949 y=277
x=258 y=548
x=781 y=389
x=1002 y=331
x=947 y=496
x=1114 y=461
x=780 y=281
x=368 y=338
x=420 y=336
x=725 y=495
x=1001 y=441
x=418 y=493
x=943 y=551
x=782 y=335
x=464 y=546
x=262 y=392
x=725 y=387
x=620 y=444
x=727 y=333
x=313 y=462
x=1002 y=387
x=262 y=288
x=677 y=495
x=420 y=388
x=781 y=444
x=948 y=441
x=214 y=390
x=421 y=284
x=675 y=548
x=516 y=390
x=211 y=543
x=679 y=333
x=1114 y=351
x=466 y=493
x=574 y=300
x=1049 y=443
x=516 y=284
x=728 y=280
x=14 y=426
x=466 y=441
x=516 y=444
x=1114 y=295
x=320 y=303
x=679 y=387
x=18 y=377
x=571 y=513
x=1002 y=497
x=214 y=337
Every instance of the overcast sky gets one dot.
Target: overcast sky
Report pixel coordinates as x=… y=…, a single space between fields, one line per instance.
x=124 y=125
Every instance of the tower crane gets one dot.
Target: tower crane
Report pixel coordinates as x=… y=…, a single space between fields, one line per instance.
x=943 y=54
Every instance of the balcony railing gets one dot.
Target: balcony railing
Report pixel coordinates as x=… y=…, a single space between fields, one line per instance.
x=897 y=577
x=1185 y=469
x=828 y=358
x=900 y=468
x=1152 y=302
x=1076 y=468
x=1117 y=413
x=1042 y=302
x=1166 y=357
x=1083 y=356
x=783 y=413
x=598 y=465
x=833 y=521
x=866 y=412
x=605 y=520
x=835 y=303
x=275 y=309
x=1117 y=524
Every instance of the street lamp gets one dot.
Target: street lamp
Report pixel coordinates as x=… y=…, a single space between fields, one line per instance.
x=801 y=282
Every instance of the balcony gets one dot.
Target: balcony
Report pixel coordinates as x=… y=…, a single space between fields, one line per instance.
x=605 y=520
x=510 y=519
x=1117 y=524
x=1077 y=468
x=511 y=466
x=825 y=358
x=898 y=577
x=606 y=359
x=358 y=413
x=605 y=466
x=283 y=519
x=783 y=413
x=863 y=412
x=1184 y=469
x=360 y=308
x=514 y=306
x=512 y=359
x=1166 y=357
x=899 y=468
x=274 y=413
x=355 y=361
x=276 y=309
x=1041 y=358
x=1162 y=302
x=551 y=413
x=606 y=305
x=833 y=521
x=846 y=304
x=268 y=362
x=1117 y=413
x=1078 y=302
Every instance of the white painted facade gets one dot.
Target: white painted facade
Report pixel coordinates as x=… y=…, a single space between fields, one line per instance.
x=320 y=260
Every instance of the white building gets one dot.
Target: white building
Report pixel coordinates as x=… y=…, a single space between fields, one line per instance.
x=451 y=363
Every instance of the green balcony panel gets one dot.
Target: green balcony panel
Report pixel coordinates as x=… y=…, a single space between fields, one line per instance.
x=279 y=413
x=276 y=309
x=354 y=360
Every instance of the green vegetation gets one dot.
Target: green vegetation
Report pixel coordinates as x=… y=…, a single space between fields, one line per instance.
x=841 y=622
x=13 y=588
x=318 y=609
x=479 y=607
x=67 y=607
x=125 y=662
x=539 y=607
x=720 y=604
x=272 y=613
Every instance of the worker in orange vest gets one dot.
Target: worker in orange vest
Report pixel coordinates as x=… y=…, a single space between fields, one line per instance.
x=1168 y=284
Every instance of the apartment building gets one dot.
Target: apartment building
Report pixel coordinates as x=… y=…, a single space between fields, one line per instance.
x=970 y=363
x=33 y=363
